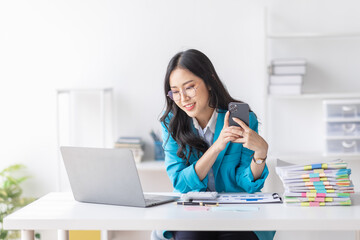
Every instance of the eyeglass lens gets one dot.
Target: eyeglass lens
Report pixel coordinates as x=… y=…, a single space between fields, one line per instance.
x=176 y=95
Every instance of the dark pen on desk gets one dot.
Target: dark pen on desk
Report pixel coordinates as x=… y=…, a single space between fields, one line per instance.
x=214 y=204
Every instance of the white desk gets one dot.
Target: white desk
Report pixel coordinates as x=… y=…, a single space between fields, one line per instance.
x=61 y=211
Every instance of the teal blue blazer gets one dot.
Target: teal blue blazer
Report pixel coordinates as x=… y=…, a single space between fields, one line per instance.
x=231 y=169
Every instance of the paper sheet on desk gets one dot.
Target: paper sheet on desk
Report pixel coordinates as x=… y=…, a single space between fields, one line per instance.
x=228 y=208
x=235 y=209
x=240 y=198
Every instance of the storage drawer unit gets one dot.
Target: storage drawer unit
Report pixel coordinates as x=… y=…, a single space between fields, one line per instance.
x=342 y=108
x=343 y=146
x=342 y=127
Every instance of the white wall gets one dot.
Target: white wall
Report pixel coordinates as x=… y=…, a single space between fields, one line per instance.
x=46 y=45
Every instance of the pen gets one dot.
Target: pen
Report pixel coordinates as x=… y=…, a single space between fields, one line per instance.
x=198 y=204
x=190 y=203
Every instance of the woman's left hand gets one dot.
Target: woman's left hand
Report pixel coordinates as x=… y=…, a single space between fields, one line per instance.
x=249 y=138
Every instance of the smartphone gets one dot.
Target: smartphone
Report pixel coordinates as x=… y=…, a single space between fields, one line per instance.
x=238 y=110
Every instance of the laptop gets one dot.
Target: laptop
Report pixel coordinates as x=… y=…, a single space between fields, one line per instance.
x=107 y=176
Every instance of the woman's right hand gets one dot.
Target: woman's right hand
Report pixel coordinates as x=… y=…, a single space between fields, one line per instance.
x=226 y=135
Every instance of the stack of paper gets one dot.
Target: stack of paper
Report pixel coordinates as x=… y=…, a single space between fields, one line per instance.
x=321 y=184
x=135 y=144
x=286 y=76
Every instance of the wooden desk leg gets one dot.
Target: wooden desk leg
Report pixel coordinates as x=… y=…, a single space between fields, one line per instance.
x=27 y=234
x=63 y=235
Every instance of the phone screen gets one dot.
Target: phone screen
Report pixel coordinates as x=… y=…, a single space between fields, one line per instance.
x=238 y=110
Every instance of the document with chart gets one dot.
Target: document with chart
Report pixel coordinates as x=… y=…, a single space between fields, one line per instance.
x=241 y=198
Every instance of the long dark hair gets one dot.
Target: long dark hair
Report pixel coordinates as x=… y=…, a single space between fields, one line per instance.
x=179 y=125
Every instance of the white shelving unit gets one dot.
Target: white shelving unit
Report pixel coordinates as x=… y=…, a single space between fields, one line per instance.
x=285 y=112
x=314 y=35
x=317 y=96
x=85 y=118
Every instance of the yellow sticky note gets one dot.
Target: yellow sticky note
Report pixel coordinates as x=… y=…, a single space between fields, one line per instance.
x=307 y=167
x=310 y=194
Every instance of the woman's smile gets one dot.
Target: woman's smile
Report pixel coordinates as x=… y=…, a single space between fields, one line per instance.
x=190 y=106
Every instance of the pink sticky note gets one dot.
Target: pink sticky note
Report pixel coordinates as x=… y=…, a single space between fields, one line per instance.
x=197 y=208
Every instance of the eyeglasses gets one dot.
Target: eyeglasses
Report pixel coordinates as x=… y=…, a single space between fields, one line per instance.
x=176 y=95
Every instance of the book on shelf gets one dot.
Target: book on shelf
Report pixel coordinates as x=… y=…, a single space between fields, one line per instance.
x=135 y=144
x=136 y=150
x=129 y=140
x=285 y=89
x=128 y=145
x=288 y=70
x=286 y=79
x=288 y=61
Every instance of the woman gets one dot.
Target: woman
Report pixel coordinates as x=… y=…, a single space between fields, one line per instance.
x=202 y=152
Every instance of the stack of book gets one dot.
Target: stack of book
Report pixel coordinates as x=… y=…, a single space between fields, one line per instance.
x=321 y=184
x=286 y=76
x=135 y=144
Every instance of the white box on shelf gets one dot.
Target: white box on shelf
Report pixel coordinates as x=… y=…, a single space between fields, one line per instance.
x=289 y=61
x=288 y=70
